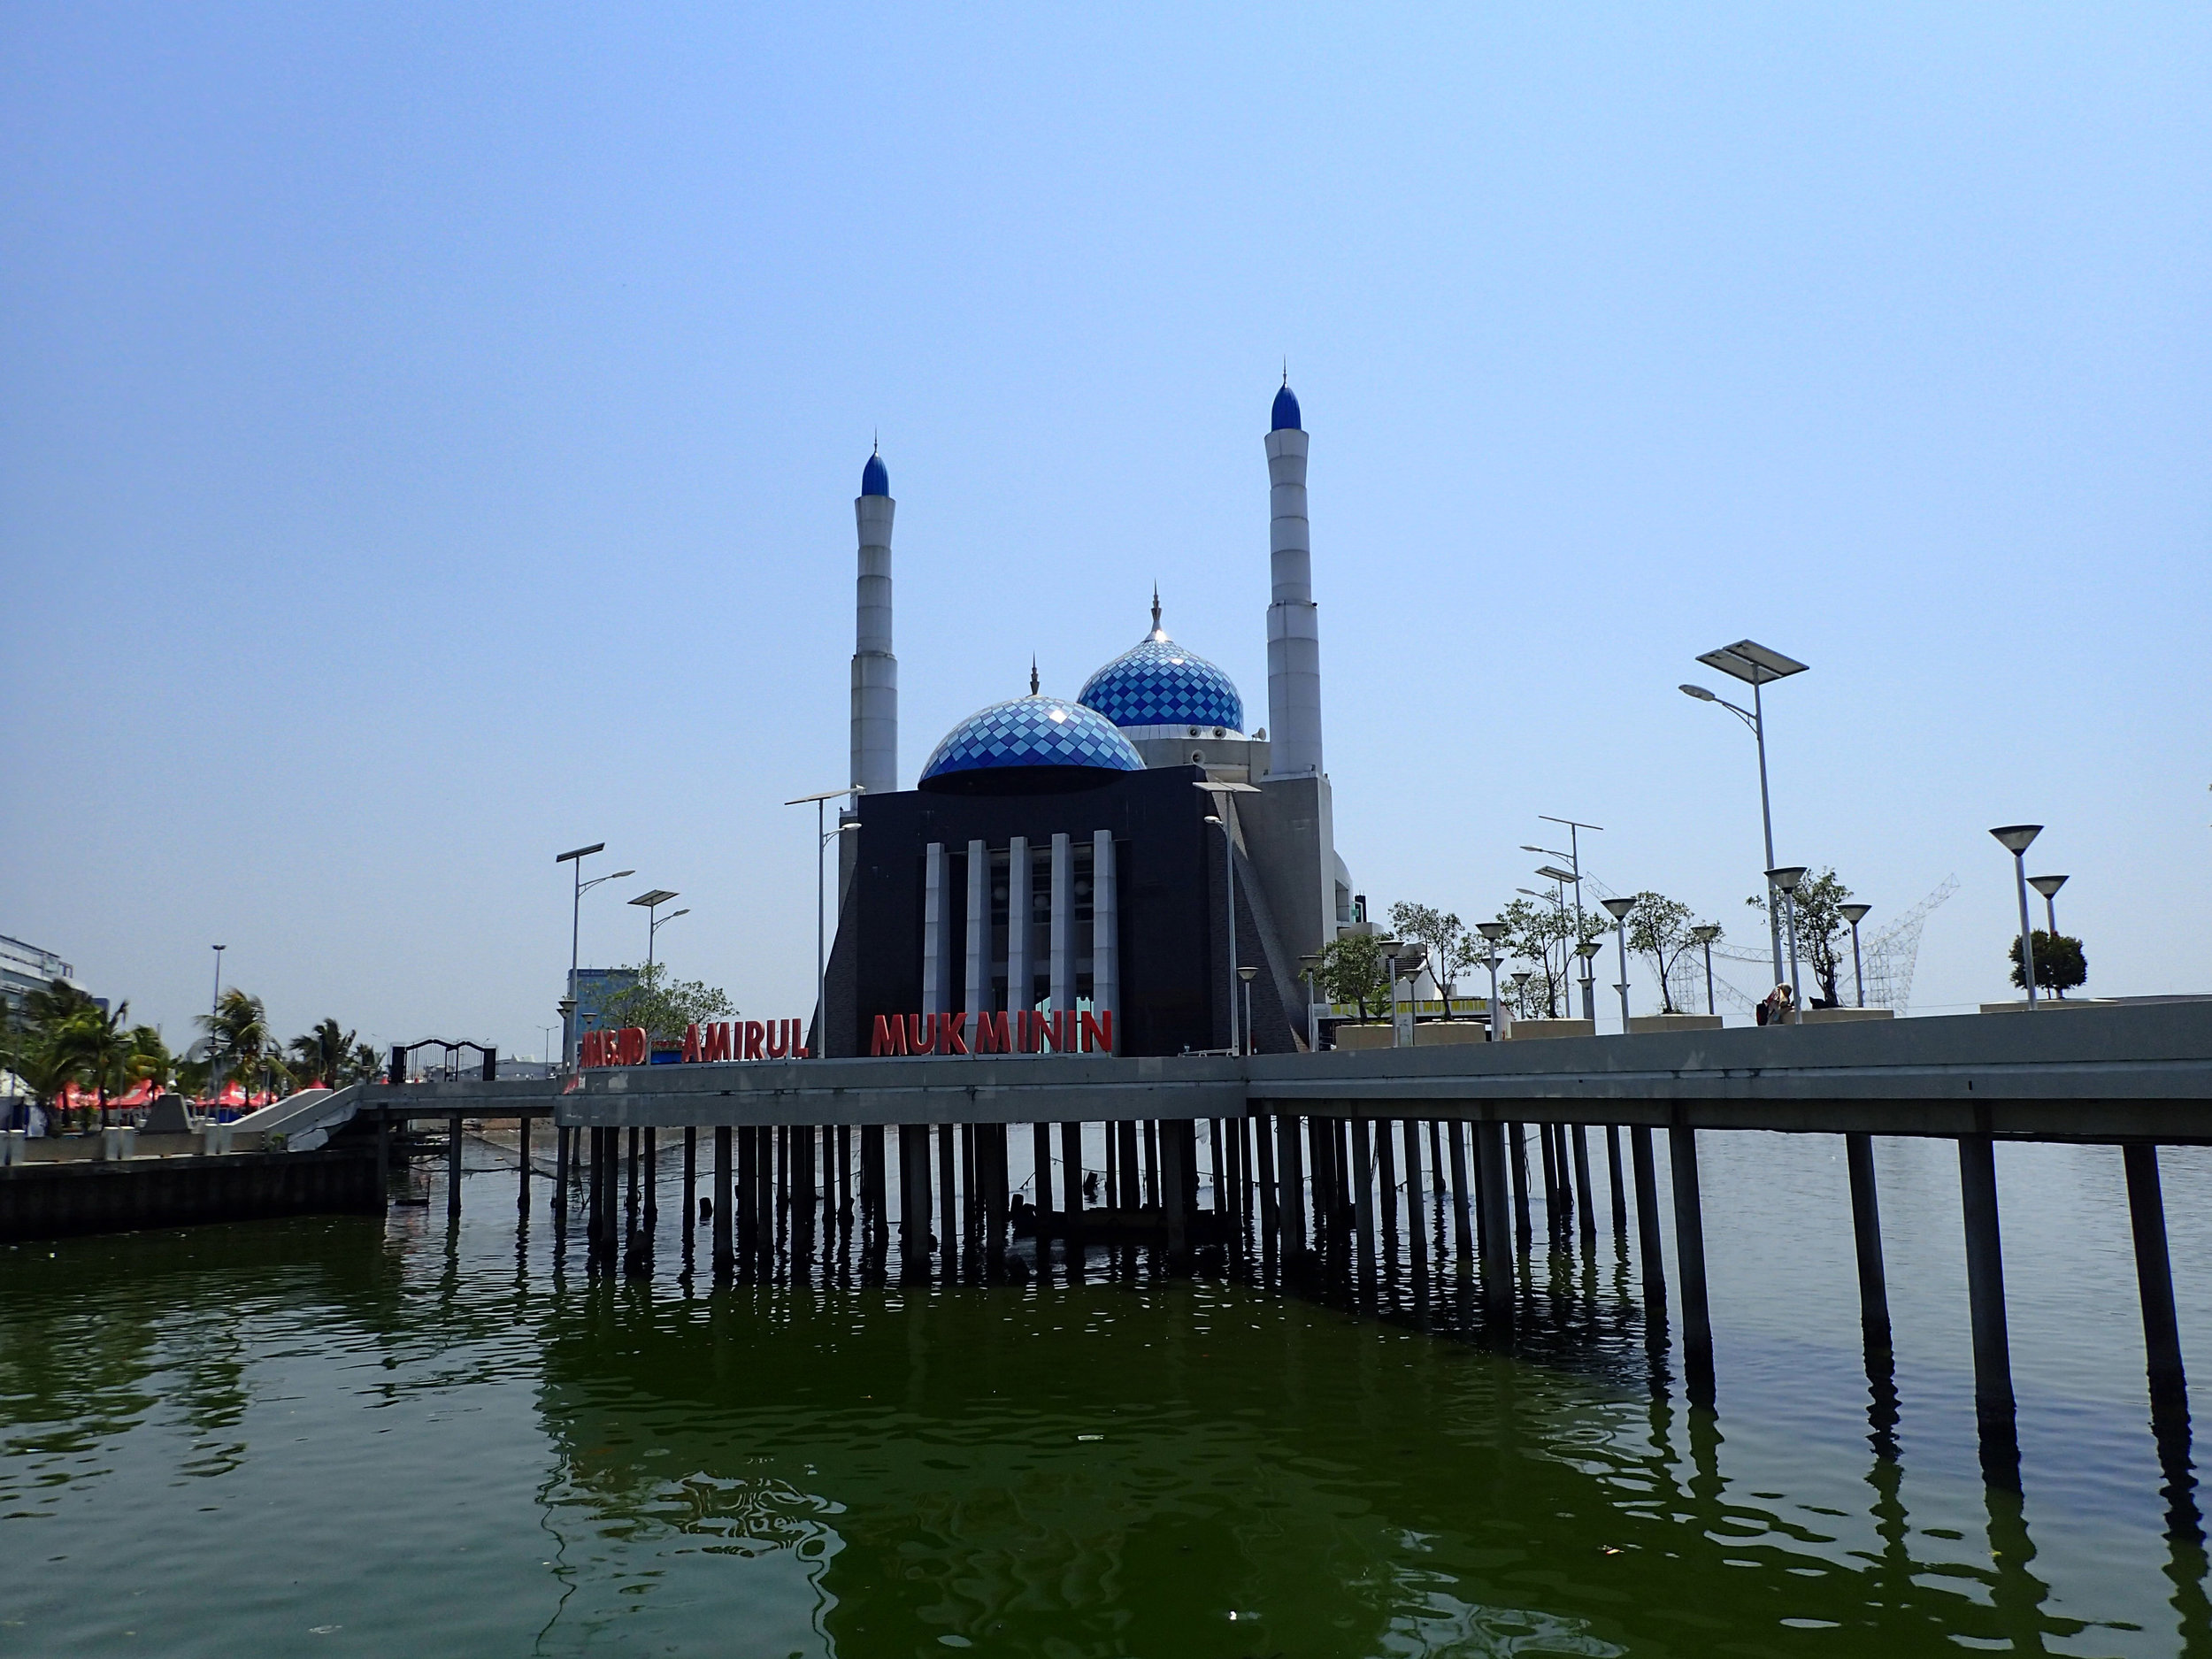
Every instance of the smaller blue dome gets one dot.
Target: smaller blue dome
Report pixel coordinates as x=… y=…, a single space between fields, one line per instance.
x=1032 y=744
x=1286 y=415
x=875 y=478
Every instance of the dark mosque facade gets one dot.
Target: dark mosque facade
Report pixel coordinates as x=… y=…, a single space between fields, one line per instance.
x=1064 y=871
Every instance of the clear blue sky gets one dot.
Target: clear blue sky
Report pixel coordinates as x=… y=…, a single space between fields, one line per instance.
x=429 y=436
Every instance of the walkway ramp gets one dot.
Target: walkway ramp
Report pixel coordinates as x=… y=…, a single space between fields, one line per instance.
x=305 y=1120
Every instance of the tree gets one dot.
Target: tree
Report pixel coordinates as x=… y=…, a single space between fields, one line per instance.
x=1662 y=928
x=101 y=1043
x=1451 y=947
x=151 y=1062
x=238 y=1036
x=2059 y=965
x=321 y=1056
x=662 y=1004
x=1545 y=937
x=51 y=1039
x=1351 y=970
x=1822 y=929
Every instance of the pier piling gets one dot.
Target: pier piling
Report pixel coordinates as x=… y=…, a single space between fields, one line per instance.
x=2154 y=1283
x=1866 y=1228
x=1689 y=1249
x=725 y=1249
x=453 y=1164
x=1993 y=1406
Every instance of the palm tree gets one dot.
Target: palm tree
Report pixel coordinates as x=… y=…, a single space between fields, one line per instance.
x=102 y=1041
x=321 y=1054
x=238 y=1034
x=51 y=1049
x=150 y=1060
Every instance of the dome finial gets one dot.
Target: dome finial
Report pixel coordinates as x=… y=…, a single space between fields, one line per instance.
x=1156 y=607
x=1032 y=676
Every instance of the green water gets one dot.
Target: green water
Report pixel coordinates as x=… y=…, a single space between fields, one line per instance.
x=343 y=1436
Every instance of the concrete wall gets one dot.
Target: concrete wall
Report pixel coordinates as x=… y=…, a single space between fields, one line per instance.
x=52 y=1201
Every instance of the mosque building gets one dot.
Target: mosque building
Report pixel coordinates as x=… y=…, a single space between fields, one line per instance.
x=1067 y=857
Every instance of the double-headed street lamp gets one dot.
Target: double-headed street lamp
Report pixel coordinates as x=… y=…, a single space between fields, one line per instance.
x=576 y=856
x=2015 y=839
x=1854 y=914
x=1757 y=667
x=651 y=902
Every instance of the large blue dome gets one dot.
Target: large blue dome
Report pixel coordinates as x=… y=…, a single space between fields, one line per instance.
x=1162 y=683
x=1033 y=742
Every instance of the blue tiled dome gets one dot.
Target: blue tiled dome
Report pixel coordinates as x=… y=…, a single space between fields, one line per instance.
x=1162 y=683
x=1045 y=738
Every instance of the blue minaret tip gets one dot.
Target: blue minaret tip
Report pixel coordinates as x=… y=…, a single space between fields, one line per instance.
x=1286 y=416
x=875 y=478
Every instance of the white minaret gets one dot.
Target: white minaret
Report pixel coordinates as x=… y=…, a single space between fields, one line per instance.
x=875 y=671
x=1293 y=626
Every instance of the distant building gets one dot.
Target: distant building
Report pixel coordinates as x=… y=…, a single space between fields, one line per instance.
x=595 y=987
x=26 y=968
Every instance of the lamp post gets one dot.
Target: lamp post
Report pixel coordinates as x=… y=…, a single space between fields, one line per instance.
x=1618 y=909
x=1757 y=667
x=1491 y=933
x=1245 y=974
x=1519 y=982
x=1313 y=1025
x=654 y=926
x=2015 y=839
x=214 y=1011
x=1390 y=948
x=1785 y=880
x=576 y=856
x=1854 y=914
x=2048 y=886
x=823 y=837
x=650 y=902
x=1587 y=950
x=1573 y=855
x=1704 y=933
x=1220 y=790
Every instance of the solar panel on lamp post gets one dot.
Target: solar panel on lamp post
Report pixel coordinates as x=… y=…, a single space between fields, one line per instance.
x=1854 y=914
x=1618 y=909
x=650 y=902
x=1757 y=667
x=2015 y=839
x=1785 y=880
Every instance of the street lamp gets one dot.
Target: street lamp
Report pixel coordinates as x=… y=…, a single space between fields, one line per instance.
x=653 y=928
x=822 y=839
x=2015 y=839
x=1587 y=950
x=214 y=1013
x=1618 y=909
x=2048 y=886
x=652 y=900
x=576 y=856
x=1218 y=789
x=1573 y=855
x=1854 y=914
x=1313 y=1024
x=1519 y=982
x=1491 y=933
x=1757 y=667
x=1786 y=880
x=1245 y=975
x=1704 y=933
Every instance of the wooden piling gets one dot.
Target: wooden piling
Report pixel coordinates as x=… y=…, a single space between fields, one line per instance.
x=949 y=1228
x=453 y=1164
x=1689 y=1249
x=1363 y=1179
x=1613 y=1168
x=1523 y=1234
x=1866 y=1231
x=1587 y=1208
x=1993 y=1404
x=1652 y=1257
x=1290 y=1203
x=1130 y=1195
x=2155 y=1282
x=1417 y=1229
x=1177 y=1176
x=1497 y=1248
x=1462 y=1226
x=691 y=1180
x=724 y=1252
x=522 y=1167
